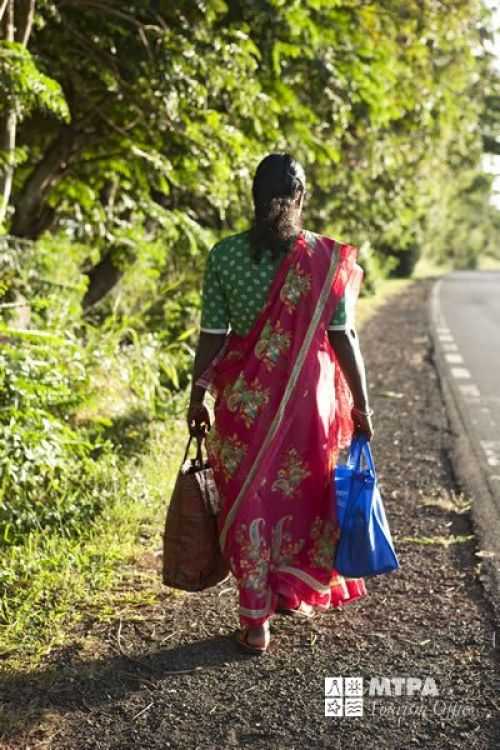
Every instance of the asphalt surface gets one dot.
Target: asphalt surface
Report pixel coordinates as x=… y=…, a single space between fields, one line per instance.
x=466 y=329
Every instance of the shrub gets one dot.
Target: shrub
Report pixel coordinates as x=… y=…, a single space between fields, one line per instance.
x=52 y=473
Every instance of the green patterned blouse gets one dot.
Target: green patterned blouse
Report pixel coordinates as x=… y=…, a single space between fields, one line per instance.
x=235 y=288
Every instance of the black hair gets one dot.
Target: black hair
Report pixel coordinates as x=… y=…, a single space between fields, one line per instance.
x=277 y=187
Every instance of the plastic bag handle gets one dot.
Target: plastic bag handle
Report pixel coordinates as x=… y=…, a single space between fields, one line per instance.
x=360 y=447
x=367 y=452
x=354 y=458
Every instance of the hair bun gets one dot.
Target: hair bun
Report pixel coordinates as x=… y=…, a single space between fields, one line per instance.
x=278 y=181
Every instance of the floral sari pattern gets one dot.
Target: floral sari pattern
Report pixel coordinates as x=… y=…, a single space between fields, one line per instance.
x=297 y=283
x=254 y=556
x=291 y=474
x=282 y=412
x=273 y=343
x=257 y=558
x=325 y=535
x=228 y=451
x=246 y=400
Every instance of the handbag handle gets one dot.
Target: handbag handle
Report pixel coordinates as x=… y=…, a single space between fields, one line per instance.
x=199 y=456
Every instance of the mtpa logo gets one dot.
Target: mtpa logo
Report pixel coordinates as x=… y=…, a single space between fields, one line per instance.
x=344 y=696
x=396 y=686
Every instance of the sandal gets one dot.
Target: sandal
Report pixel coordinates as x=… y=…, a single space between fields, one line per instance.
x=251 y=648
x=299 y=612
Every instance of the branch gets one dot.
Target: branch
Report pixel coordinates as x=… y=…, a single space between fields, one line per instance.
x=104 y=7
x=9 y=21
x=3 y=8
x=96 y=159
x=86 y=116
x=102 y=57
x=117 y=128
x=118 y=14
x=25 y=32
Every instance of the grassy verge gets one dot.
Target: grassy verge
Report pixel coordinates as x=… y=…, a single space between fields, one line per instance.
x=367 y=306
x=54 y=583
x=489 y=263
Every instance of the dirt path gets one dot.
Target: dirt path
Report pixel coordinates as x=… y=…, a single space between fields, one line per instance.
x=180 y=682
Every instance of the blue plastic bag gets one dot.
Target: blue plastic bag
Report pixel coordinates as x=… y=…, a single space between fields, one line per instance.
x=365 y=547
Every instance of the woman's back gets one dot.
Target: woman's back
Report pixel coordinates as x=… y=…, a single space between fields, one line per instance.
x=236 y=287
x=282 y=407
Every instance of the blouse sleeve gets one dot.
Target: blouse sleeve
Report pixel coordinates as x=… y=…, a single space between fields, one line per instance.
x=214 y=309
x=344 y=314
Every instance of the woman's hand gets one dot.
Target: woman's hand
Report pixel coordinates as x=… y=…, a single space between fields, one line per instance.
x=363 y=423
x=198 y=419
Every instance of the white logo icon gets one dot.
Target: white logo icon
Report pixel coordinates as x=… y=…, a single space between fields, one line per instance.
x=343 y=696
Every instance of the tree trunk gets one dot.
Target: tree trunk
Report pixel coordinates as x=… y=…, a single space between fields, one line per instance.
x=8 y=141
x=21 y=35
x=3 y=8
x=25 y=22
x=30 y=212
x=8 y=147
x=102 y=278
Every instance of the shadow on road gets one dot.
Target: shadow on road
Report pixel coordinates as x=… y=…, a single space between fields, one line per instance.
x=73 y=684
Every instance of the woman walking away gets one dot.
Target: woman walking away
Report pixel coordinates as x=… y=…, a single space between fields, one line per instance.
x=279 y=352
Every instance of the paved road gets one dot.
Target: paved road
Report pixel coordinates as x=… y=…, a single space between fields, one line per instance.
x=466 y=321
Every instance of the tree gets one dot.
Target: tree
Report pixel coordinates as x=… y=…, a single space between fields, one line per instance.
x=25 y=87
x=172 y=105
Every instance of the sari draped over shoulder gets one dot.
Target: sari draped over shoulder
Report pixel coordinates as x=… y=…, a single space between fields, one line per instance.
x=282 y=412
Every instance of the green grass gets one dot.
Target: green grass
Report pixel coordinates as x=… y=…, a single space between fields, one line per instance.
x=367 y=306
x=427 y=268
x=49 y=583
x=489 y=263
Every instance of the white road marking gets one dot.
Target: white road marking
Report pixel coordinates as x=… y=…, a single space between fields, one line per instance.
x=443 y=329
x=449 y=348
x=444 y=338
x=454 y=359
x=470 y=390
x=460 y=372
x=492 y=451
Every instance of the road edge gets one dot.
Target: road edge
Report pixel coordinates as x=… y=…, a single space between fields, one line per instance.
x=468 y=464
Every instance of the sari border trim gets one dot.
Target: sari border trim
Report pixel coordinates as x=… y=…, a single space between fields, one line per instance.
x=280 y=412
x=321 y=588
x=256 y=613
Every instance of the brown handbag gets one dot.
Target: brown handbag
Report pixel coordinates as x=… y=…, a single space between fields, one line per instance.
x=192 y=559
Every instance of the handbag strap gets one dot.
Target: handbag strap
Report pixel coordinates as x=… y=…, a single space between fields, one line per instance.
x=199 y=456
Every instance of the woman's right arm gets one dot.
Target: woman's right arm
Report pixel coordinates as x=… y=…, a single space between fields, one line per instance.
x=348 y=353
x=209 y=346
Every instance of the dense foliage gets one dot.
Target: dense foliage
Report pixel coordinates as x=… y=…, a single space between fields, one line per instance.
x=129 y=135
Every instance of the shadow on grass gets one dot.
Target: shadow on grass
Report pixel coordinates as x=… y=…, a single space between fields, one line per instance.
x=75 y=685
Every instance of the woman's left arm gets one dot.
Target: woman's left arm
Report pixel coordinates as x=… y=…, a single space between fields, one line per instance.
x=209 y=345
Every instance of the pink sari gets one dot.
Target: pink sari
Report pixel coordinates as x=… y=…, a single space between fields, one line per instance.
x=282 y=413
